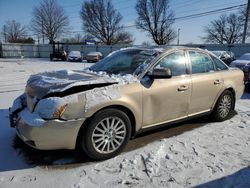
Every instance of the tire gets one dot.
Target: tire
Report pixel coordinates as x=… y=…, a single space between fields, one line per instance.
x=51 y=57
x=99 y=140
x=224 y=106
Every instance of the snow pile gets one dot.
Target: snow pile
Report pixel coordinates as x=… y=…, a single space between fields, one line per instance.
x=18 y=103
x=120 y=79
x=56 y=78
x=59 y=81
x=99 y=96
x=190 y=159
x=31 y=118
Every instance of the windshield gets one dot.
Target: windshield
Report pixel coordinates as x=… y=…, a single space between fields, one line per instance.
x=245 y=57
x=74 y=53
x=131 y=61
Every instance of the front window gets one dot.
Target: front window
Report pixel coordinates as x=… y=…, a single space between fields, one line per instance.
x=131 y=61
x=175 y=62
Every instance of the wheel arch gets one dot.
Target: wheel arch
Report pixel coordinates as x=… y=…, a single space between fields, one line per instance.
x=124 y=109
x=231 y=89
x=234 y=94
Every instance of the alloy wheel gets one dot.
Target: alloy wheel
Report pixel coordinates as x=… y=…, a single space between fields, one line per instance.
x=108 y=135
x=225 y=105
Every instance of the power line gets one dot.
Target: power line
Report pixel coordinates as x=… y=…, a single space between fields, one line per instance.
x=186 y=17
x=197 y=15
x=207 y=8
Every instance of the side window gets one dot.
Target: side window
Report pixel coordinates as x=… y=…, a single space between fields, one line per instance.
x=200 y=62
x=219 y=65
x=175 y=62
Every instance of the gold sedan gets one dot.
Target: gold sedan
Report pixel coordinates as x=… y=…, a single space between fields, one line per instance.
x=129 y=91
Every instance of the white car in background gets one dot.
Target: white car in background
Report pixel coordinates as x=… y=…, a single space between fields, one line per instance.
x=75 y=56
x=226 y=56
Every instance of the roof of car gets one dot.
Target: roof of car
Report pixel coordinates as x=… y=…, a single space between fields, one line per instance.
x=75 y=52
x=94 y=53
x=161 y=48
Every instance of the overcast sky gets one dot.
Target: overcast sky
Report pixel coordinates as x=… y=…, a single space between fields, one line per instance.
x=190 y=29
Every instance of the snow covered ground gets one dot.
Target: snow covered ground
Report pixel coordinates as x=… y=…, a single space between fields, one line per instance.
x=214 y=155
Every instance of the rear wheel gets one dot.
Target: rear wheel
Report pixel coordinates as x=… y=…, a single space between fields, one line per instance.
x=107 y=134
x=224 y=106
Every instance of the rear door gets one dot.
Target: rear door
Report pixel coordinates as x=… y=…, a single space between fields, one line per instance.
x=168 y=99
x=206 y=82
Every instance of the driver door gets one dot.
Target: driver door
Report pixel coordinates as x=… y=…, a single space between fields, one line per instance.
x=168 y=99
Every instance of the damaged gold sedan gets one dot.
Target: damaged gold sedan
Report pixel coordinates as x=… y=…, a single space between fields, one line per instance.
x=131 y=90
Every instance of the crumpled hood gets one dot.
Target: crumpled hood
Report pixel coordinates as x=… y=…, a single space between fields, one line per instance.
x=42 y=84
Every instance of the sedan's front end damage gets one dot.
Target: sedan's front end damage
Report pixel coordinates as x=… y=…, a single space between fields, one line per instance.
x=41 y=130
x=47 y=117
x=47 y=134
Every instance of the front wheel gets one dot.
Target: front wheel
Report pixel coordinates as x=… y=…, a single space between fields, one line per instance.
x=107 y=134
x=224 y=106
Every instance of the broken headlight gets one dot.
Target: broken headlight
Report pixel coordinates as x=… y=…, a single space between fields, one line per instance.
x=50 y=108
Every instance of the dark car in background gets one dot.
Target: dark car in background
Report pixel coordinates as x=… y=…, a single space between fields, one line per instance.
x=94 y=56
x=243 y=63
x=226 y=56
x=58 y=52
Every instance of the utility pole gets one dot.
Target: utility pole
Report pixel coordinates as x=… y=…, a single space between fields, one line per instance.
x=38 y=42
x=178 y=37
x=246 y=23
x=42 y=32
x=5 y=34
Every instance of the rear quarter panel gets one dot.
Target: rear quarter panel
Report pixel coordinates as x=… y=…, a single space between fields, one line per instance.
x=233 y=78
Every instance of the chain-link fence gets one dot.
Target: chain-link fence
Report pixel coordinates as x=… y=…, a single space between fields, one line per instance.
x=10 y=50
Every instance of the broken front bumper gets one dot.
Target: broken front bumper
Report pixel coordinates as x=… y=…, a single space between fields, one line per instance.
x=45 y=134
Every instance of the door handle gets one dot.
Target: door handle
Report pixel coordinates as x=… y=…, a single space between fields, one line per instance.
x=183 y=88
x=217 y=82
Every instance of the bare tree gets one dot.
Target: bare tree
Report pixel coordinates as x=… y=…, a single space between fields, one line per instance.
x=227 y=29
x=77 y=38
x=49 y=20
x=13 y=31
x=102 y=20
x=155 y=17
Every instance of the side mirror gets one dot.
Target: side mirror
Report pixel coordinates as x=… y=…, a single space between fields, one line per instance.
x=160 y=74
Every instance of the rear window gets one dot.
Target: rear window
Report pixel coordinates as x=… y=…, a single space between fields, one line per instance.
x=201 y=63
x=219 y=65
